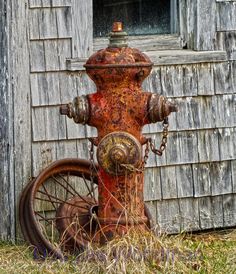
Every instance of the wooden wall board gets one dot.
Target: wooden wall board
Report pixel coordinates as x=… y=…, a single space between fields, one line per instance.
x=7 y=200
x=181 y=149
x=21 y=93
x=224 y=77
x=168 y=182
x=172 y=154
x=186 y=80
x=45 y=89
x=153 y=210
x=233 y=168
x=48 y=124
x=217 y=211
x=181 y=80
x=195 y=113
x=208 y=145
x=82 y=28
x=50 y=23
x=49 y=3
x=229 y=209
x=205 y=28
x=187 y=147
x=54 y=88
x=153 y=82
x=189 y=214
x=221 y=178
x=227 y=143
x=212 y=179
x=205 y=79
x=226 y=40
x=172 y=81
x=190 y=80
x=202 y=180
x=184 y=181
x=225 y=109
x=211 y=212
x=188 y=12
x=49 y=55
x=44 y=153
x=181 y=57
x=81 y=82
x=56 y=53
x=205 y=213
x=37 y=56
x=226 y=19
x=168 y=216
x=152 y=184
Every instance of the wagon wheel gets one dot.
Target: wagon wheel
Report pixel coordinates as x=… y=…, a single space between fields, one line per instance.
x=58 y=208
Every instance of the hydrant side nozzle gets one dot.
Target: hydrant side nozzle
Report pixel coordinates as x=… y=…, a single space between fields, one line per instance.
x=78 y=110
x=159 y=108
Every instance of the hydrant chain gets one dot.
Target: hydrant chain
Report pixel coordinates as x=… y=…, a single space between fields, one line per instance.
x=163 y=145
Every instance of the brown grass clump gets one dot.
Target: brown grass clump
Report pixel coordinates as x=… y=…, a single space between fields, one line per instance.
x=135 y=253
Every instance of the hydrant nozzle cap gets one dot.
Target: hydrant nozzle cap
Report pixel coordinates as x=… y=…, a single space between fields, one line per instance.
x=118 y=37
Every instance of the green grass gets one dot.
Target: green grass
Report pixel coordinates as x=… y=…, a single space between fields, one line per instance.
x=213 y=252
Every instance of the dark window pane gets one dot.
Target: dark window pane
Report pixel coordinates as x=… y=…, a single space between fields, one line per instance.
x=140 y=17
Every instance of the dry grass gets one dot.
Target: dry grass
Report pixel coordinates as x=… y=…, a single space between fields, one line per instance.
x=135 y=253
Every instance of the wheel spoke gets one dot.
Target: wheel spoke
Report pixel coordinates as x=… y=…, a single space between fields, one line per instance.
x=58 y=201
x=75 y=192
x=90 y=191
x=49 y=197
x=58 y=218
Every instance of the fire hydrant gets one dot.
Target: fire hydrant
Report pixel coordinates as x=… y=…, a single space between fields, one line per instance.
x=119 y=110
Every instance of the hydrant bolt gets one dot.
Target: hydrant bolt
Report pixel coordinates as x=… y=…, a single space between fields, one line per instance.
x=64 y=109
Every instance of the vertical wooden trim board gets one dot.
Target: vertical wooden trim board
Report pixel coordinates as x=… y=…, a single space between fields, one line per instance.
x=205 y=25
x=20 y=84
x=82 y=28
x=7 y=215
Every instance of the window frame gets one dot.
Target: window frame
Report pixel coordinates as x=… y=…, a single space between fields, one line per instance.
x=169 y=49
x=152 y=42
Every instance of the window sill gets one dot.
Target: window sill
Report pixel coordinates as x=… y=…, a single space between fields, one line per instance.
x=165 y=57
x=146 y=42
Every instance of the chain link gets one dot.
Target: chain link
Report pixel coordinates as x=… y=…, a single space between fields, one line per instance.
x=150 y=144
x=91 y=157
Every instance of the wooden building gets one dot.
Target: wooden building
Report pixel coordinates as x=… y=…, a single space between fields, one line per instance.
x=43 y=46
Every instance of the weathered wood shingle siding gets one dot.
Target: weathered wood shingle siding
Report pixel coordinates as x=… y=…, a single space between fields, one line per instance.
x=187 y=186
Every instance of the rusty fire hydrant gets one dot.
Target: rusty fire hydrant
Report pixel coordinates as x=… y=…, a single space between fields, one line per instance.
x=119 y=110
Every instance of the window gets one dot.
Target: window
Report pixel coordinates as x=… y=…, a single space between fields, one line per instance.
x=140 y=17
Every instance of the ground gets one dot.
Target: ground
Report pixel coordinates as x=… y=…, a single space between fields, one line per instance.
x=211 y=252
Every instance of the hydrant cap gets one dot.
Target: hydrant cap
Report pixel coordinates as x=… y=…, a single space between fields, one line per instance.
x=118 y=54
